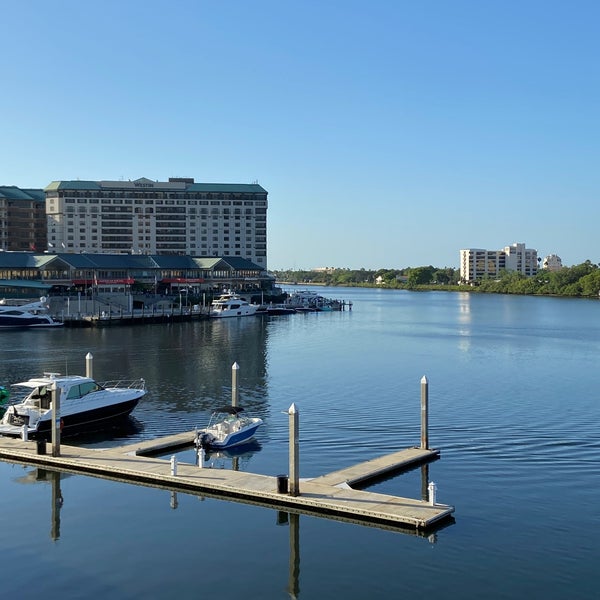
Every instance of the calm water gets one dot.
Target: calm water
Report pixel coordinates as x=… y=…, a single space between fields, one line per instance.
x=514 y=408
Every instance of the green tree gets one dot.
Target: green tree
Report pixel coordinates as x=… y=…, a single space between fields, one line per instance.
x=420 y=276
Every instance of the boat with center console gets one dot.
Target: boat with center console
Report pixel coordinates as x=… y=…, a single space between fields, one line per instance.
x=227 y=428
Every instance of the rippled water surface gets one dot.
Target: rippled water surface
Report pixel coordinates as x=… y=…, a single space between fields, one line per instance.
x=514 y=408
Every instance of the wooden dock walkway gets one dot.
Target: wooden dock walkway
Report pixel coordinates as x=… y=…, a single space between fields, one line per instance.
x=323 y=496
x=378 y=467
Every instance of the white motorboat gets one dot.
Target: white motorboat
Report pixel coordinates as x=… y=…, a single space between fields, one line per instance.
x=232 y=305
x=84 y=404
x=227 y=428
x=308 y=301
x=32 y=315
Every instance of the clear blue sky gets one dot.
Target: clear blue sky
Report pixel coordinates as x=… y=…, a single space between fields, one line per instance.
x=387 y=133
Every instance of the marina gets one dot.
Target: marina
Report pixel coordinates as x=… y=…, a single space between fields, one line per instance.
x=519 y=453
x=55 y=403
x=118 y=311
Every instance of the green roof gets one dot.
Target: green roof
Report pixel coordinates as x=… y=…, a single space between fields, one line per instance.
x=72 y=185
x=18 y=260
x=12 y=192
x=123 y=261
x=228 y=188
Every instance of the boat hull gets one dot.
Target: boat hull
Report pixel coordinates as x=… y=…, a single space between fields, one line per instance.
x=211 y=438
x=235 y=439
x=22 y=323
x=82 y=421
x=89 y=420
x=233 y=312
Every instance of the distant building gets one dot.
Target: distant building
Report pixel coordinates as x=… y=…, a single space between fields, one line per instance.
x=476 y=263
x=552 y=262
x=22 y=219
x=143 y=216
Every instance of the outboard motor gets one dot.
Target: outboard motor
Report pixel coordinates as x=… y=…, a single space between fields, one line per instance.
x=203 y=440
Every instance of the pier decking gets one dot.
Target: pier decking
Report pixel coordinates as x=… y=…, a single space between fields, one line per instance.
x=328 y=495
x=378 y=467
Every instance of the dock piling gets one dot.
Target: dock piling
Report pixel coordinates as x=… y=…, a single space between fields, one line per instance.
x=424 y=413
x=89 y=365
x=174 y=465
x=432 y=489
x=55 y=395
x=294 y=418
x=234 y=387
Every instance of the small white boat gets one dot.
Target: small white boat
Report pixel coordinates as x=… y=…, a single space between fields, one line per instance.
x=84 y=404
x=227 y=428
x=232 y=305
x=33 y=315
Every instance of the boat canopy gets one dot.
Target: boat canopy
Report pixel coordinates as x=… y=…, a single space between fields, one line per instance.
x=232 y=410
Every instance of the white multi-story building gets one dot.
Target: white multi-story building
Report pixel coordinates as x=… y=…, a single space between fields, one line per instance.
x=552 y=262
x=476 y=263
x=143 y=216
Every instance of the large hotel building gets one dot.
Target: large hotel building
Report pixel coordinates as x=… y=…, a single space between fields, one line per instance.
x=143 y=216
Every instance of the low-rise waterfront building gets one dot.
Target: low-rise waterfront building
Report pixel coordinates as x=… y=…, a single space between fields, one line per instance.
x=477 y=263
x=21 y=272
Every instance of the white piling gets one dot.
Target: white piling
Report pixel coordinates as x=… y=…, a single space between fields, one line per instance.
x=234 y=386
x=200 y=456
x=432 y=489
x=24 y=433
x=424 y=413
x=89 y=365
x=294 y=450
x=173 y=465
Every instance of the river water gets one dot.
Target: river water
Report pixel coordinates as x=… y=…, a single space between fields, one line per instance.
x=514 y=409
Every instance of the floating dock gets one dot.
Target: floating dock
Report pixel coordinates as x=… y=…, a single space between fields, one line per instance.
x=329 y=495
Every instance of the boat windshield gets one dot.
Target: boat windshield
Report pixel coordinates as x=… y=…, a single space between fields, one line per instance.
x=79 y=390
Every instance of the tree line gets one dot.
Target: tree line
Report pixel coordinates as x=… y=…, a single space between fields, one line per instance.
x=581 y=280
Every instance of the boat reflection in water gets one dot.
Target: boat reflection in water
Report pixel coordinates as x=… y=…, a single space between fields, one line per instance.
x=228 y=458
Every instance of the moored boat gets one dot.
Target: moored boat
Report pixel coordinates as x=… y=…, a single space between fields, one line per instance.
x=227 y=428
x=84 y=404
x=309 y=301
x=232 y=305
x=275 y=309
x=33 y=315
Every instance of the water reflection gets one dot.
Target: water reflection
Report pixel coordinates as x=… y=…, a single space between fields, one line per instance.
x=57 y=503
x=56 y=498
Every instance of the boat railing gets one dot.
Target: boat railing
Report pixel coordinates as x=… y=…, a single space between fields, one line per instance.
x=132 y=384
